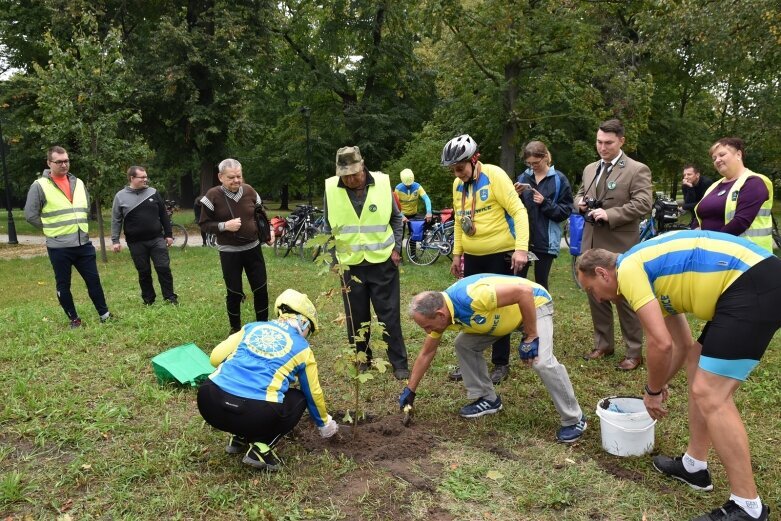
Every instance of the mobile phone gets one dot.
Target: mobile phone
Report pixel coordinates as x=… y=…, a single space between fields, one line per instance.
x=523 y=186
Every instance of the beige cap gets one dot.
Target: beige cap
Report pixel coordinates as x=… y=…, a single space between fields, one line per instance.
x=348 y=161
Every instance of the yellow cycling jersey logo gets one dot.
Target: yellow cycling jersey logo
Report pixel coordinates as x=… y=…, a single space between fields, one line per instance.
x=268 y=341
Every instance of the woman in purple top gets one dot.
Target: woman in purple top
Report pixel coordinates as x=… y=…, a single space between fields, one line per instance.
x=738 y=204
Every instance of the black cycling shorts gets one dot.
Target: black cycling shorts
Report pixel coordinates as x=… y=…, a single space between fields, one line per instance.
x=747 y=316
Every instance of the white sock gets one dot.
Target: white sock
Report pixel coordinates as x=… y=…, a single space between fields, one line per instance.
x=693 y=465
x=752 y=506
x=105 y=315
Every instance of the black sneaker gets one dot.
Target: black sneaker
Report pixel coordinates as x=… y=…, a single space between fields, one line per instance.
x=455 y=375
x=500 y=373
x=236 y=445
x=674 y=468
x=730 y=511
x=174 y=301
x=108 y=317
x=261 y=457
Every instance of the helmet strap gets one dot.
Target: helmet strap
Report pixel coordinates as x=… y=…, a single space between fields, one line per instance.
x=302 y=324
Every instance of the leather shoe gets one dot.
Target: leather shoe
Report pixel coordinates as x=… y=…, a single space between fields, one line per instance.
x=629 y=364
x=596 y=354
x=401 y=373
x=499 y=373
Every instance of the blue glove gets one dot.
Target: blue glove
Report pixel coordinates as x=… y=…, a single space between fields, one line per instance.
x=529 y=350
x=407 y=397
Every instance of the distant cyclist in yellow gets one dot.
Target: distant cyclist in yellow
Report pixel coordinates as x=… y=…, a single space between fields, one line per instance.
x=410 y=193
x=484 y=307
x=492 y=227
x=733 y=284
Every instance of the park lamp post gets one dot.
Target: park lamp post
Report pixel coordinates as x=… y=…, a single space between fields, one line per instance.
x=12 y=239
x=307 y=116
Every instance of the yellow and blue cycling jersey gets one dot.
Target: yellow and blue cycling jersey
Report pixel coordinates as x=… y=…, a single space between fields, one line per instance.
x=261 y=361
x=472 y=304
x=686 y=271
x=409 y=197
x=500 y=218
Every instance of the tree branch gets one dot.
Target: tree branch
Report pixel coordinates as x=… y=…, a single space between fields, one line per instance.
x=488 y=74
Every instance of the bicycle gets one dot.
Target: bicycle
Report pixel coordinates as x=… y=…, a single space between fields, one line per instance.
x=664 y=218
x=178 y=232
x=298 y=229
x=426 y=247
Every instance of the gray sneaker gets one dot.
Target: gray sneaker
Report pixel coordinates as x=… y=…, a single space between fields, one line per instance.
x=674 y=468
x=481 y=407
x=500 y=372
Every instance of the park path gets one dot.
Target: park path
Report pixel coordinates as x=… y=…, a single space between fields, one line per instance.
x=193 y=239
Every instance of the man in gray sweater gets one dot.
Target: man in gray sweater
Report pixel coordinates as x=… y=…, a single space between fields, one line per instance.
x=141 y=211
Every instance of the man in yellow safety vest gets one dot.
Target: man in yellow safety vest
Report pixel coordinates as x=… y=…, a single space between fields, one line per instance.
x=360 y=211
x=58 y=203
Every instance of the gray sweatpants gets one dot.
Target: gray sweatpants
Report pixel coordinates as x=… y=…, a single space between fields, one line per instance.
x=469 y=350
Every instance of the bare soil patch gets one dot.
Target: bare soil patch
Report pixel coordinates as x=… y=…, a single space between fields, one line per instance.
x=21 y=251
x=390 y=448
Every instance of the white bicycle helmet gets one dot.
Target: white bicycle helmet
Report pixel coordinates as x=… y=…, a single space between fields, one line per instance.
x=458 y=149
x=407 y=177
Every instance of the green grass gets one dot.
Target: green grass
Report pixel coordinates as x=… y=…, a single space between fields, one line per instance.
x=86 y=430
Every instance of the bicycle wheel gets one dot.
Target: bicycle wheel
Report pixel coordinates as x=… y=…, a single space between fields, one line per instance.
x=425 y=252
x=211 y=240
x=565 y=232
x=307 y=233
x=447 y=246
x=279 y=244
x=293 y=241
x=574 y=270
x=179 y=234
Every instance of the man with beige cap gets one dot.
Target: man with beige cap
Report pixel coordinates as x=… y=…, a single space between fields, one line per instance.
x=363 y=216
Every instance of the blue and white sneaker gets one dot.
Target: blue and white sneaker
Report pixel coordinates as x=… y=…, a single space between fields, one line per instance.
x=481 y=407
x=572 y=433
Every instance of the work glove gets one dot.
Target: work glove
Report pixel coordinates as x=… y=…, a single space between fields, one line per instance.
x=407 y=397
x=529 y=350
x=329 y=429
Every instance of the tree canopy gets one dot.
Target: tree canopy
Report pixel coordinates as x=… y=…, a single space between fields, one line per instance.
x=181 y=86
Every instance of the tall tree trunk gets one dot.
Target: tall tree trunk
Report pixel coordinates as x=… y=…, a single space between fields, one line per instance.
x=284 y=197
x=101 y=233
x=510 y=126
x=186 y=190
x=207 y=175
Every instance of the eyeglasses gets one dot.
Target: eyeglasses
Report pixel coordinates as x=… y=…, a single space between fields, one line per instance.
x=141 y=178
x=533 y=164
x=62 y=162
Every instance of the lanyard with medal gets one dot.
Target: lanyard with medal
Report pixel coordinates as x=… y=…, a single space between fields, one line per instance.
x=467 y=222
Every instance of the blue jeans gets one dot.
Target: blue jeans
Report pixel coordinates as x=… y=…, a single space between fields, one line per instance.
x=83 y=258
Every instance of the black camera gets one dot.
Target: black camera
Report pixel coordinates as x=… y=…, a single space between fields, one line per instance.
x=593 y=203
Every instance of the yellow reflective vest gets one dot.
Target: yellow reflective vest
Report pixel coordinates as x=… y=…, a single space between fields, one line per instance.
x=60 y=216
x=760 y=231
x=368 y=236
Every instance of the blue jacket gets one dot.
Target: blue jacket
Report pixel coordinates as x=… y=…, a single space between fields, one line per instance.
x=545 y=219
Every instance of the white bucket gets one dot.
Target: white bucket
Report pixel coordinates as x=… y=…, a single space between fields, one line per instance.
x=629 y=432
